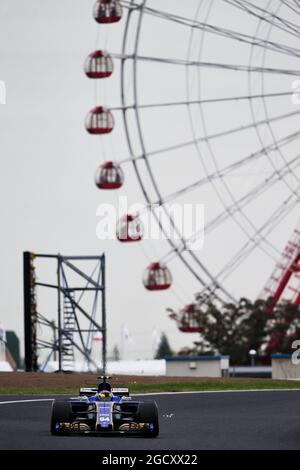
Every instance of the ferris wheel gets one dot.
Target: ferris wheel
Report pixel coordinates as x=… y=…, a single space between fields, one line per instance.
x=209 y=110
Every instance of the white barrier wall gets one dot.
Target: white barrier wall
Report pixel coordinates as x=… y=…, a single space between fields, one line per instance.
x=283 y=368
x=155 y=367
x=2 y=351
x=197 y=366
x=4 y=364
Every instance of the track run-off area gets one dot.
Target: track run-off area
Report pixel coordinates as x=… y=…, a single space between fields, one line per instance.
x=188 y=421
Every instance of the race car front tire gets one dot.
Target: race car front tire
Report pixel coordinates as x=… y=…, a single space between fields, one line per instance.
x=148 y=413
x=61 y=413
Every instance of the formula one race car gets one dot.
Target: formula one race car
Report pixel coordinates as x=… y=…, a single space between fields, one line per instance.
x=104 y=410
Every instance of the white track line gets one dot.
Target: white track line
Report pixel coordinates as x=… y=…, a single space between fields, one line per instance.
x=202 y=392
x=25 y=401
x=219 y=391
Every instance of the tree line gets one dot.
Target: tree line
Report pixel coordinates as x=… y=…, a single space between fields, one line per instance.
x=235 y=328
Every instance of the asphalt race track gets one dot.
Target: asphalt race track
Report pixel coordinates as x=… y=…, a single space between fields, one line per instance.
x=232 y=420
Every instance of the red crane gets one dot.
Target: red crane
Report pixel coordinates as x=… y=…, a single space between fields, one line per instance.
x=284 y=283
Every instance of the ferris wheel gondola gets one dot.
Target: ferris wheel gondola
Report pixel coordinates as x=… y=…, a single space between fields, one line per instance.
x=109 y=175
x=107 y=11
x=98 y=64
x=99 y=121
x=157 y=277
x=129 y=229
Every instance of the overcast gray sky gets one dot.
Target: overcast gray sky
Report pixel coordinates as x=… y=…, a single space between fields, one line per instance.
x=48 y=198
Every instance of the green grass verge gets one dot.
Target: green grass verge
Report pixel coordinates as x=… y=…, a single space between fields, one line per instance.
x=211 y=385
x=203 y=385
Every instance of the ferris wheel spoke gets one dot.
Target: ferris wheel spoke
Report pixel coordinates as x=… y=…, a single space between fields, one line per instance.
x=228 y=295
x=264 y=15
x=252 y=195
x=227 y=170
x=257 y=130
x=253 y=114
x=223 y=66
x=220 y=175
x=235 y=203
x=277 y=217
x=222 y=180
x=274 y=220
x=291 y=7
x=246 y=199
x=204 y=101
x=216 y=135
x=226 y=33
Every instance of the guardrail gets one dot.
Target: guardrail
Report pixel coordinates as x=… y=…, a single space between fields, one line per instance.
x=251 y=371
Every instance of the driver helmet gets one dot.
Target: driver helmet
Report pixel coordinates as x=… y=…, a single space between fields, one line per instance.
x=105 y=395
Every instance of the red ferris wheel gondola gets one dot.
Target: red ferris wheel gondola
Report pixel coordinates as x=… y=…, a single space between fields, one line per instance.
x=109 y=175
x=107 y=11
x=99 y=121
x=187 y=321
x=157 y=277
x=98 y=64
x=129 y=229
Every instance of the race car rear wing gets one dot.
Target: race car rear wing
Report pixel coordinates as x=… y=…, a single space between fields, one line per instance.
x=88 y=391
x=123 y=392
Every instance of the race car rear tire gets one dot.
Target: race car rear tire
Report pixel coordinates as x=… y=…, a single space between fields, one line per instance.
x=148 y=413
x=61 y=413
